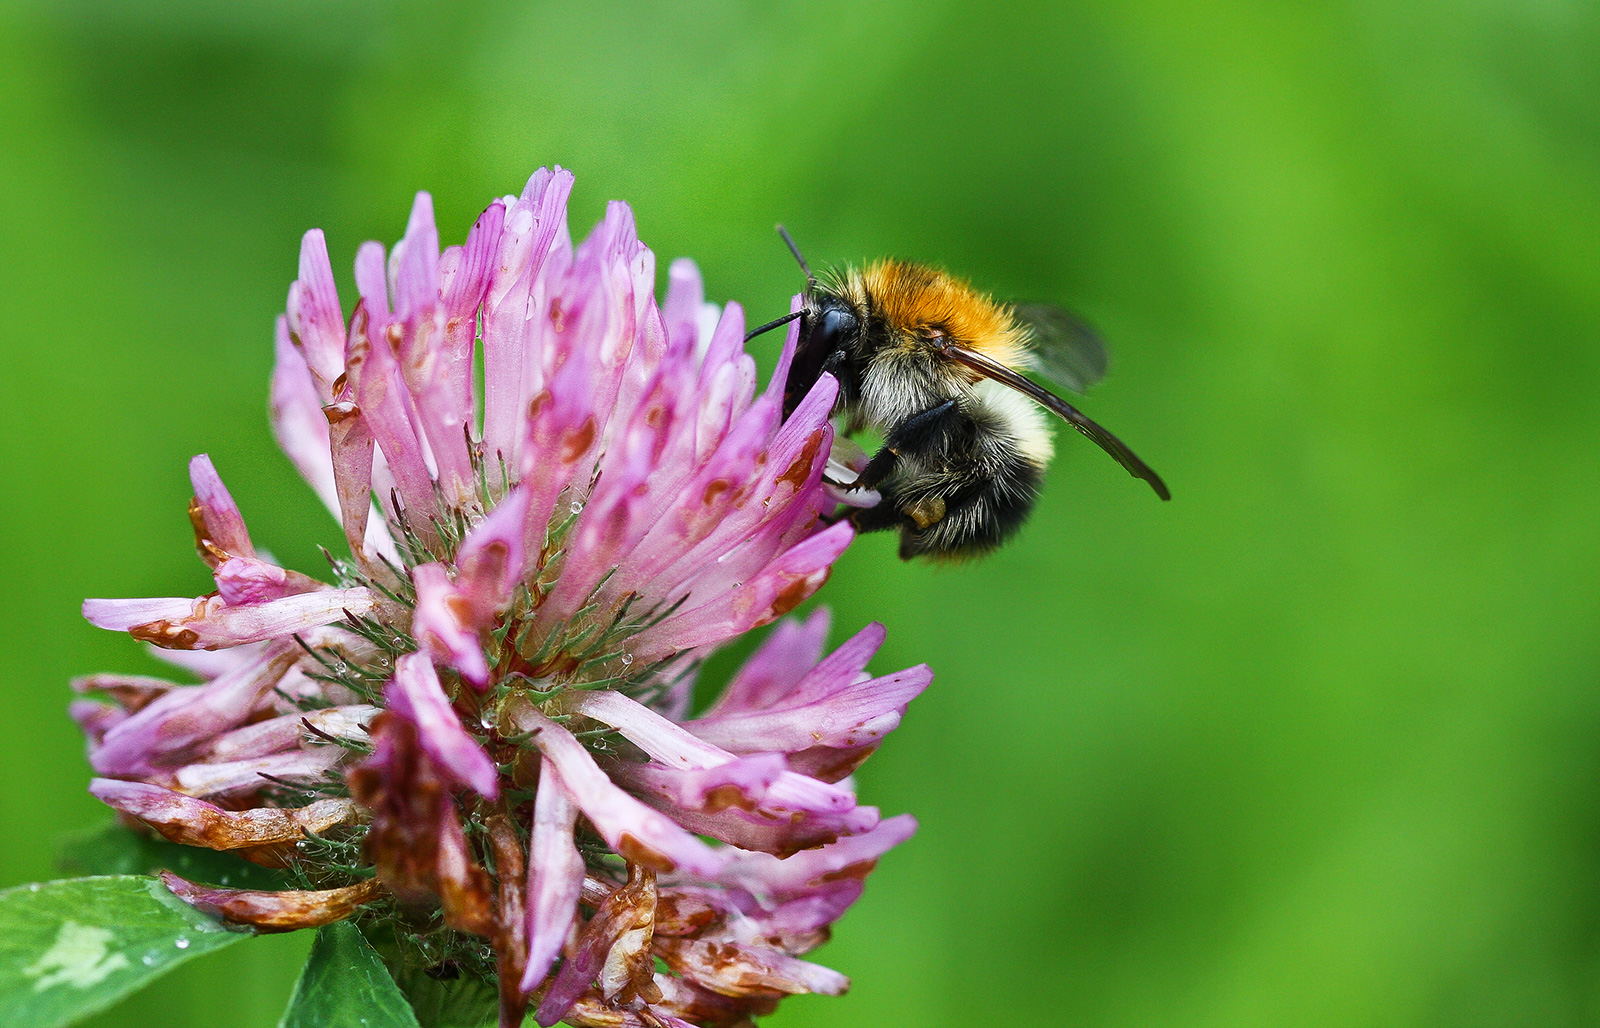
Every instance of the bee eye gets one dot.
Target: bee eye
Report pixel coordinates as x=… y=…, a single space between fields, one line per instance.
x=833 y=326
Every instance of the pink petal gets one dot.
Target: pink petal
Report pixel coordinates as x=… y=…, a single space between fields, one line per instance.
x=465 y=289
x=417 y=695
x=208 y=623
x=628 y=826
x=811 y=870
x=858 y=715
x=286 y=731
x=377 y=389
x=772 y=593
x=416 y=282
x=533 y=225
x=555 y=878
x=236 y=778
x=315 y=319
x=95 y=719
x=777 y=666
x=132 y=692
x=217 y=518
x=493 y=557
x=442 y=623
x=166 y=732
x=350 y=446
x=681 y=312
x=844 y=667
x=248 y=580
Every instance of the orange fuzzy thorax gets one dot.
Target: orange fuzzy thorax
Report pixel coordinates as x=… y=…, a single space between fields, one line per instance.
x=914 y=299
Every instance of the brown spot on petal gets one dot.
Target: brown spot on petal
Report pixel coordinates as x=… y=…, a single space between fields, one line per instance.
x=166 y=634
x=794 y=594
x=577 y=443
x=715 y=488
x=860 y=869
x=209 y=551
x=799 y=469
x=275 y=911
x=681 y=914
x=489 y=563
x=395 y=333
x=339 y=413
x=636 y=852
x=725 y=796
x=827 y=764
x=460 y=609
x=558 y=316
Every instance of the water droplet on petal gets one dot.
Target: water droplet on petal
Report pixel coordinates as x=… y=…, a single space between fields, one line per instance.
x=627 y=659
x=181 y=942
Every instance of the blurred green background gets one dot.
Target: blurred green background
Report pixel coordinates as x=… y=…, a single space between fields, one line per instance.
x=1318 y=743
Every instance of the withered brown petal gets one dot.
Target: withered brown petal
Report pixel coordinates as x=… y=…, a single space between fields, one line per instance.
x=275 y=911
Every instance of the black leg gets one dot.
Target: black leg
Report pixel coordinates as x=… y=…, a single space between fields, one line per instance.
x=925 y=433
x=876 y=519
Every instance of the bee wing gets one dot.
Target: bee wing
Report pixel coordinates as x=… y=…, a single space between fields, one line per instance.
x=1065 y=349
x=990 y=368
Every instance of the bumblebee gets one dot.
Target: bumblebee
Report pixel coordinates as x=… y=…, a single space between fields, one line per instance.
x=936 y=367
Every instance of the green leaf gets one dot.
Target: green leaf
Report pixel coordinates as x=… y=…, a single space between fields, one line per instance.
x=72 y=947
x=115 y=850
x=345 y=985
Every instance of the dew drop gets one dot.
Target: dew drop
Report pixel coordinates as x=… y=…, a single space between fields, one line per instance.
x=33 y=886
x=627 y=659
x=340 y=668
x=575 y=507
x=181 y=942
x=149 y=959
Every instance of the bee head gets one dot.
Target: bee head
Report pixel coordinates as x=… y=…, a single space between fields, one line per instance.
x=829 y=325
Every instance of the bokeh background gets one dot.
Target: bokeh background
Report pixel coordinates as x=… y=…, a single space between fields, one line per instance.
x=1318 y=743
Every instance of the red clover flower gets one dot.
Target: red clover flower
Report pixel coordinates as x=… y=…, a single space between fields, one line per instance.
x=480 y=742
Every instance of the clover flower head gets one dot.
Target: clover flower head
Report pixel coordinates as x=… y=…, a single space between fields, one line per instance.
x=480 y=740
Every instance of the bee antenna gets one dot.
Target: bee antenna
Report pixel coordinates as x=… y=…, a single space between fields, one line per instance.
x=811 y=280
x=769 y=326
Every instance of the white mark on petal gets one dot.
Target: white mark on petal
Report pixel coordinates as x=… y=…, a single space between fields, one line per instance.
x=79 y=958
